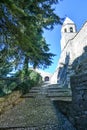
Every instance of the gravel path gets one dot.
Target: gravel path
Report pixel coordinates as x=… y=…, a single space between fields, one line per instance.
x=36 y=113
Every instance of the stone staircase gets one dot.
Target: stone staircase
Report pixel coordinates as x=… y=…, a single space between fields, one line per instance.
x=57 y=93
x=37 y=111
x=52 y=92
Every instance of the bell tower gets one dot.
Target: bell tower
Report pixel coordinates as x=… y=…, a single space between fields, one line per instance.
x=68 y=31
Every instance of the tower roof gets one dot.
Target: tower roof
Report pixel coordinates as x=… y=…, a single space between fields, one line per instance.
x=68 y=21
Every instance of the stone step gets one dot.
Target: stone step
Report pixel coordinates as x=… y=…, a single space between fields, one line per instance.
x=58 y=94
x=53 y=85
x=18 y=128
x=57 y=90
x=67 y=98
x=49 y=95
x=34 y=94
x=42 y=127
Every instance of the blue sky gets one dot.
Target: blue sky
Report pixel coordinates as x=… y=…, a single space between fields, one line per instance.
x=76 y=10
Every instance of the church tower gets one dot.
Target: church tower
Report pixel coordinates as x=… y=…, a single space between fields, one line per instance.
x=68 y=31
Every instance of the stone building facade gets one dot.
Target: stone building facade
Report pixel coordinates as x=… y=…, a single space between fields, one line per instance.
x=72 y=44
x=46 y=76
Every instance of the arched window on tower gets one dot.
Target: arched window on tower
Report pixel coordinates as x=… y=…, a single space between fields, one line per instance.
x=65 y=30
x=71 y=29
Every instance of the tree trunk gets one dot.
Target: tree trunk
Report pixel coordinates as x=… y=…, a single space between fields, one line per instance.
x=26 y=67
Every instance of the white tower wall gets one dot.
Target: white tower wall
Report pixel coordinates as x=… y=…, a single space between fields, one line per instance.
x=68 y=31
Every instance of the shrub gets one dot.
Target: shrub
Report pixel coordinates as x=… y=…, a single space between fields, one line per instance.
x=24 y=85
x=32 y=80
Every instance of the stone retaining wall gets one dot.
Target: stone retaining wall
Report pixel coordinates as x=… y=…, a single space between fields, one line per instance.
x=76 y=110
x=66 y=108
x=79 y=100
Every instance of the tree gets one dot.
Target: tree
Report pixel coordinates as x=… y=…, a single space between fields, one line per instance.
x=22 y=23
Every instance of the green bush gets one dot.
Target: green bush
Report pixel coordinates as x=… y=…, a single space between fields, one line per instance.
x=8 y=88
x=32 y=80
x=24 y=85
x=35 y=78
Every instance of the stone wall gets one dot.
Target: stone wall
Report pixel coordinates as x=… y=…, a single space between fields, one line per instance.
x=79 y=101
x=76 y=110
x=65 y=107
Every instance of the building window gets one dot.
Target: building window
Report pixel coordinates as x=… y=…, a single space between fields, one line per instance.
x=71 y=29
x=65 y=30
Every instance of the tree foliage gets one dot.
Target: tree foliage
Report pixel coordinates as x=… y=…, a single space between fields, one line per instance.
x=21 y=25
